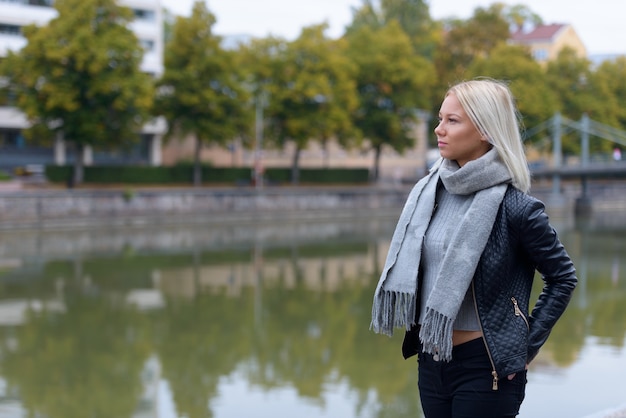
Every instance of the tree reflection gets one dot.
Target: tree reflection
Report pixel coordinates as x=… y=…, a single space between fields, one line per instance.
x=199 y=342
x=289 y=316
x=83 y=362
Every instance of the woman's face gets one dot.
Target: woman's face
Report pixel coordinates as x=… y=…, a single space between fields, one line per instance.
x=457 y=137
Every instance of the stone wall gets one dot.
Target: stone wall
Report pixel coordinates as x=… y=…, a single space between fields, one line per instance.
x=78 y=208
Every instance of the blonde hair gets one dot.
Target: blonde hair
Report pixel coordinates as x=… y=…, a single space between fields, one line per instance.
x=491 y=107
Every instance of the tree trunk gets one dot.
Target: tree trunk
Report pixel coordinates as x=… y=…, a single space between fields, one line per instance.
x=375 y=171
x=295 y=166
x=197 y=166
x=78 y=175
x=325 y=153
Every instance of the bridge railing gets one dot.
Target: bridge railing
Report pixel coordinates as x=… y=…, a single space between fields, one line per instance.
x=586 y=127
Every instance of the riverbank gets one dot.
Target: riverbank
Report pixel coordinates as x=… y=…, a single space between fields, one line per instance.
x=79 y=208
x=40 y=205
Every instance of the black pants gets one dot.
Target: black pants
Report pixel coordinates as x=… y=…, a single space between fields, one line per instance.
x=462 y=388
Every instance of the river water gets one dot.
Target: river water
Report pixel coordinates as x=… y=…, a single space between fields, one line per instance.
x=270 y=320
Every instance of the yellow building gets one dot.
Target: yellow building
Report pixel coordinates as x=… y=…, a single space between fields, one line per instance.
x=546 y=41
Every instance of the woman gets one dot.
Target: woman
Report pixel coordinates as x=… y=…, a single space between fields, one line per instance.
x=462 y=259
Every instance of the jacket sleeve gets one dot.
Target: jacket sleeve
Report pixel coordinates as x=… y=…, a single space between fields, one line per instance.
x=556 y=268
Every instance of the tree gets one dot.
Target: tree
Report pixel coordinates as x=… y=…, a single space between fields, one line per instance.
x=609 y=84
x=569 y=77
x=392 y=83
x=263 y=61
x=466 y=40
x=519 y=16
x=80 y=75
x=535 y=101
x=315 y=96
x=413 y=16
x=201 y=93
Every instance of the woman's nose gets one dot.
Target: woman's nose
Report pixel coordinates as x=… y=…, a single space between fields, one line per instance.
x=438 y=129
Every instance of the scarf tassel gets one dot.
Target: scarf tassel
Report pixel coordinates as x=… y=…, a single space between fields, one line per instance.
x=393 y=310
x=436 y=334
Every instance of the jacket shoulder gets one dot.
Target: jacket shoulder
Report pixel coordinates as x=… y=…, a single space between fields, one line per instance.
x=518 y=203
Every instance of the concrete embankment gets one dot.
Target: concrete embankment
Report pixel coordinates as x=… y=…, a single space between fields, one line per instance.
x=79 y=208
x=87 y=208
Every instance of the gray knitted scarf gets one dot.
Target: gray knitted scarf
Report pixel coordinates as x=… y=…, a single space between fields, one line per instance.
x=395 y=297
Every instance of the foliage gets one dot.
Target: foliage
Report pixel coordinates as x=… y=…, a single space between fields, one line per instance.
x=263 y=63
x=320 y=175
x=393 y=83
x=608 y=81
x=536 y=102
x=315 y=95
x=569 y=78
x=80 y=75
x=413 y=16
x=200 y=93
x=466 y=40
x=182 y=174
x=520 y=16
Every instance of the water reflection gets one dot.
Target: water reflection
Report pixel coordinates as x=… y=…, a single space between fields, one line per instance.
x=258 y=320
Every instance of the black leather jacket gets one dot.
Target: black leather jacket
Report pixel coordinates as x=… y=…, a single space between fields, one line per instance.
x=522 y=241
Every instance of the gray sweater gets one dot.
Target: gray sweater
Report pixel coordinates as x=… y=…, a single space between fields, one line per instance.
x=447 y=216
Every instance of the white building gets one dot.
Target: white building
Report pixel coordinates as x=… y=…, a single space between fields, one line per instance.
x=14 y=14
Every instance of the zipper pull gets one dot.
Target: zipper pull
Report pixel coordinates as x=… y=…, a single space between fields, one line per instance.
x=518 y=312
x=495 y=380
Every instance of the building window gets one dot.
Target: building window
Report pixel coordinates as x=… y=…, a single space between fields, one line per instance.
x=540 y=54
x=147 y=44
x=7 y=94
x=46 y=3
x=145 y=15
x=11 y=139
x=7 y=29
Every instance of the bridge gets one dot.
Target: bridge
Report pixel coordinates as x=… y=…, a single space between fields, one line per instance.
x=586 y=169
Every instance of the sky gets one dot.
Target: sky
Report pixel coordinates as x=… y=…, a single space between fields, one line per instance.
x=599 y=24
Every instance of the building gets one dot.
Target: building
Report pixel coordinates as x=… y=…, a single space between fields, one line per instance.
x=546 y=41
x=148 y=26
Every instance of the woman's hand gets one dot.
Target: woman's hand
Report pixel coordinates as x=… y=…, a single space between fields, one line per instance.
x=512 y=375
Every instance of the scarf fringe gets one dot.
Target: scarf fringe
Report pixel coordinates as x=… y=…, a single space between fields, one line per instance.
x=393 y=310
x=436 y=334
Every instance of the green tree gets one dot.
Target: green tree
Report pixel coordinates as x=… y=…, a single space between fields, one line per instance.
x=609 y=84
x=201 y=93
x=392 y=84
x=520 y=15
x=569 y=77
x=80 y=75
x=315 y=96
x=535 y=101
x=466 y=40
x=263 y=62
x=608 y=88
x=413 y=16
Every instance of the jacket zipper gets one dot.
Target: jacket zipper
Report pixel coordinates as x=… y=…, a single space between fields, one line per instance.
x=518 y=311
x=494 y=385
